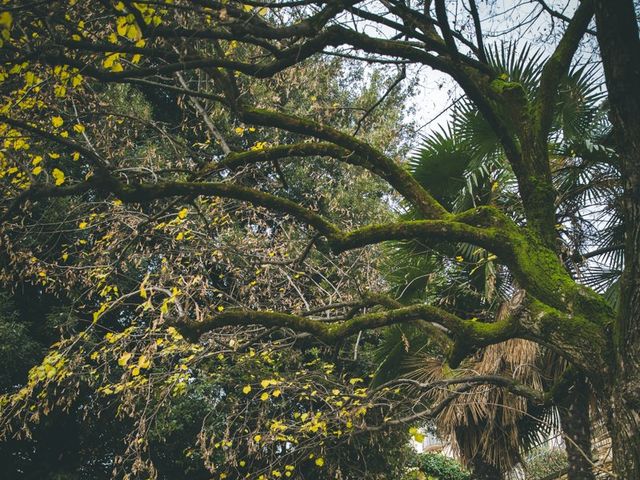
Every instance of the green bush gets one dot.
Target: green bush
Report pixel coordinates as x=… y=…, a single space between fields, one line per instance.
x=432 y=466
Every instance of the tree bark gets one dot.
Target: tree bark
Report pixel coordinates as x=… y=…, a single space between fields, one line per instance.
x=576 y=425
x=485 y=471
x=623 y=424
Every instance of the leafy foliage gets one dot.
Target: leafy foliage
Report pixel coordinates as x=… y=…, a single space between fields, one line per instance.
x=434 y=466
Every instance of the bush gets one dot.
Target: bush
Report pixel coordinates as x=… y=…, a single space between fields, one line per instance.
x=432 y=466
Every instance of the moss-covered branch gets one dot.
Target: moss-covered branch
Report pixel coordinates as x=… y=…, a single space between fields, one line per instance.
x=573 y=336
x=576 y=336
x=380 y=164
x=143 y=193
x=302 y=149
x=474 y=333
x=563 y=314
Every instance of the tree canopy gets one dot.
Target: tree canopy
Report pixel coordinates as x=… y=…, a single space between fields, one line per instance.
x=224 y=203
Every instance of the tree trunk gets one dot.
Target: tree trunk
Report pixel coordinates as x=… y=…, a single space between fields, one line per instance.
x=619 y=42
x=485 y=471
x=576 y=426
x=624 y=427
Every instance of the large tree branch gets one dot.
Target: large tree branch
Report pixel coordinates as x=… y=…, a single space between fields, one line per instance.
x=381 y=165
x=468 y=332
x=477 y=25
x=573 y=336
x=445 y=28
x=143 y=193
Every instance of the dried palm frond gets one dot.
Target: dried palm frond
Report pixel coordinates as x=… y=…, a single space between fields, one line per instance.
x=488 y=423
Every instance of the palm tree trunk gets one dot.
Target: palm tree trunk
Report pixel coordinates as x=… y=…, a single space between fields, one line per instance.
x=485 y=471
x=576 y=426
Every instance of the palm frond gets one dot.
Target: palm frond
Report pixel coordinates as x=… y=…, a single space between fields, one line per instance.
x=520 y=63
x=439 y=165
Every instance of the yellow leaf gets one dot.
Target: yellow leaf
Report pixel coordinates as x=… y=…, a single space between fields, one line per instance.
x=124 y=359
x=58 y=176
x=122 y=26
x=111 y=58
x=133 y=33
x=144 y=362
x=143 y=291
x=6 y=20
x=164 y=308
x=59 y=91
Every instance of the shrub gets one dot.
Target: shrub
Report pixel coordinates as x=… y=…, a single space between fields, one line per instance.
x=432 y=466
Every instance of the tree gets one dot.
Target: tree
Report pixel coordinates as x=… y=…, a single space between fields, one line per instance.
x=165 y=437
x=58 y=56
x=463 y=166
x=619 y=43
